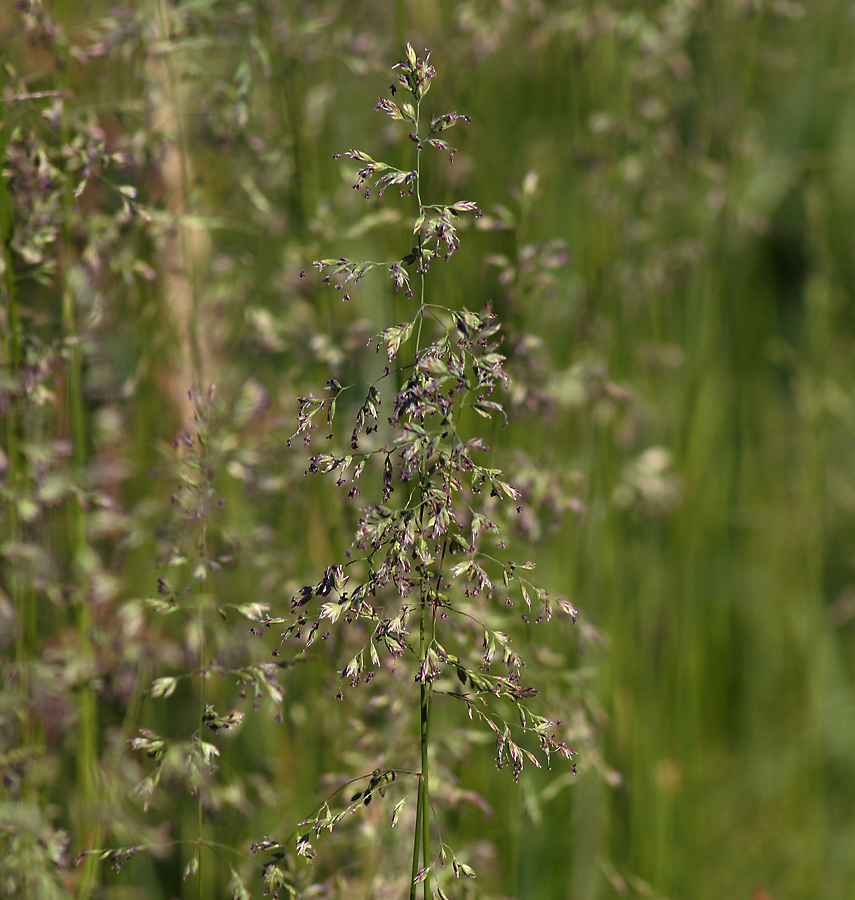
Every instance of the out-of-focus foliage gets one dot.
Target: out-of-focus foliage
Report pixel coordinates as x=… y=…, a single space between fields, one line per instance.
x=667 y=237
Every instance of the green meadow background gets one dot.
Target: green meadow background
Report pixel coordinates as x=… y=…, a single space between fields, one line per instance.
x=692 y=379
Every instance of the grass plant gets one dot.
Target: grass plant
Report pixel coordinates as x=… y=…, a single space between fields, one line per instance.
x=404 y=552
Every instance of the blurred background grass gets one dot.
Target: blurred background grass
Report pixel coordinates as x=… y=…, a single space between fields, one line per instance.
x=698 y=158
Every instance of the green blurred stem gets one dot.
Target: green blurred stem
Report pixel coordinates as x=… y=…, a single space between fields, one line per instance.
x=25 y=641
x=200 y=823
x=13 y=336
x=87 y=760
x=87 y=747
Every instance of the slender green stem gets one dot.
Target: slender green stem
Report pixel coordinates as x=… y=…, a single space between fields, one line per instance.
x=423 y=806
x=422 y=828
x=421 y=834
x=22 y=600
x=13 y=342
x=424 y=783
x=87 y=752
x=87 y=748
x=200 y=823
x=426 y=690
x=416 y=841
